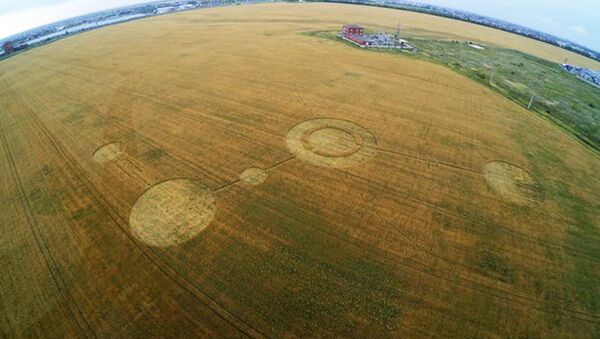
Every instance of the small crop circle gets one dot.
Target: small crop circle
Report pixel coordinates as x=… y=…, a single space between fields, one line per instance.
x=107 y=152
x=254 y=176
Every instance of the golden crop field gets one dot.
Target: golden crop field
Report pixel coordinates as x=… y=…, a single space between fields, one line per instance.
x=218 y=173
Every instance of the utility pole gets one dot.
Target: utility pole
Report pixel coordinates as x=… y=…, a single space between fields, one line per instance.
x=534 y=87
x=397 y=42
x=531 y=101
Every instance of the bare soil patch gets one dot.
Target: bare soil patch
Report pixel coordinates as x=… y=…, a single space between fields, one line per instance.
x=331 y=142
x=172 y=212
x=513 y=183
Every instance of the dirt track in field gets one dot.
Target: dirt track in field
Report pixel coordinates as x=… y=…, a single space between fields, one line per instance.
x=328 y=191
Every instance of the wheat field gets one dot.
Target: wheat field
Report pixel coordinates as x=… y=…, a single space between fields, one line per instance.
x=220 y=173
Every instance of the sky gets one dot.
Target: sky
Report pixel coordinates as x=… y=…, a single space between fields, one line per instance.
x=576 y=20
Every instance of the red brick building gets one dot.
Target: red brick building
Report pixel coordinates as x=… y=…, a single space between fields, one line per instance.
x=354 y=33
x=351 y=29
x=8 y=47
x=357 y=40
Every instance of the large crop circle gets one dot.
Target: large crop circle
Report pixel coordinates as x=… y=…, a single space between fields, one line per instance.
x=172 y=212
x=331 y=143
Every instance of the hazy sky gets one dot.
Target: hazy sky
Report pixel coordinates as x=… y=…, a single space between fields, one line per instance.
x=577 y=20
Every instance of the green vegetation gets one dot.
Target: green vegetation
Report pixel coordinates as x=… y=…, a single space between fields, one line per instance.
x=581 y=235
x=493 y=265
x=558 y=96
x=44 y=202
x=74 y=114
x=154 y=154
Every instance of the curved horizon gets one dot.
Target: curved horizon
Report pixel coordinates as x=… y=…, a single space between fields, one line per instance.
x=576 y=24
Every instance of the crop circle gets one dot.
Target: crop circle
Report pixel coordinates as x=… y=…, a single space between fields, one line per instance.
x=513 y=183
x=254 y=176
x=172 y=212
x=107 y=152
x=331 y=142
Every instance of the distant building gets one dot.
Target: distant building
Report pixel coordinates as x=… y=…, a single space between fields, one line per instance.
x=167 y=9
x=351 y=29
x=356 y=35
x=591 y=76
x=8 y=47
